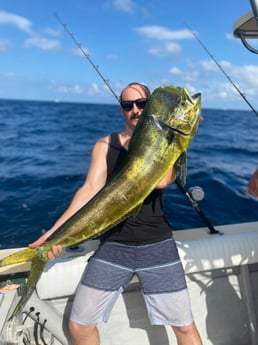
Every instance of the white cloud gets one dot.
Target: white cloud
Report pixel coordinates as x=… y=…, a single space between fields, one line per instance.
x=42 y=43
x=78 y=52
x=246 y=79
x=5 y=45
x=166 y=49
x=51 y=32
x=208 y=65
x=191 y=76
x=112 y=56
x=95 y=89
x=225 y=64
x=249 y=73
x=25 y=25
x=71 y=89
x=20 y=22
x=124 y=5
x=162 y=33
x=92 y=89
x=175 y=71
x=207 y=78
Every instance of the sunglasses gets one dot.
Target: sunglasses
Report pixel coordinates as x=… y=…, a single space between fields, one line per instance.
x=128 y=105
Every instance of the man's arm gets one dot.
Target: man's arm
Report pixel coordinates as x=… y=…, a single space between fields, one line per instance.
x=168 y=179
x=94 y=181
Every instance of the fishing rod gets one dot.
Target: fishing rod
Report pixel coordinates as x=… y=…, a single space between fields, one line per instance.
x=193 y=196
x=188 y=196
x=222 y=70
x=87 y=55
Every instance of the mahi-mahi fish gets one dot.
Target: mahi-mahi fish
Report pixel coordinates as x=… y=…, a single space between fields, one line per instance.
x=166 y=127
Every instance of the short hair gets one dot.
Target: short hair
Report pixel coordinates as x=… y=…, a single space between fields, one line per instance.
x=144 y=87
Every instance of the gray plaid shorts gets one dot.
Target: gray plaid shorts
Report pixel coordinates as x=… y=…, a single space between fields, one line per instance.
x=112 y=267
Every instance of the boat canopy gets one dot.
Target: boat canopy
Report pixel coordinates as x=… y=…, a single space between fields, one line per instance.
x=246 y=27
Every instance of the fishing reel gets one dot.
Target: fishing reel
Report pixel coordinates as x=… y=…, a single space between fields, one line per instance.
x=196 y=193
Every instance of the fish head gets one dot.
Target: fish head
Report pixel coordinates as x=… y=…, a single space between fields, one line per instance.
x=176 y=108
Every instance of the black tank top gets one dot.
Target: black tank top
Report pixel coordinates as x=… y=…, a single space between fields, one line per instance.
x=149 y=225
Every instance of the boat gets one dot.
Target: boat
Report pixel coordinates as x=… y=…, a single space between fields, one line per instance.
x=221 y=273
x=221 y=269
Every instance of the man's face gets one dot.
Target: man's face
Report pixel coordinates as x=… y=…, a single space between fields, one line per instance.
x=132 y=104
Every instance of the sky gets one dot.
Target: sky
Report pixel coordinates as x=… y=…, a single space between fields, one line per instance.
x=145 y=41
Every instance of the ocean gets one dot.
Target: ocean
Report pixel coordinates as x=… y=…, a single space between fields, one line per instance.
x=45 y=153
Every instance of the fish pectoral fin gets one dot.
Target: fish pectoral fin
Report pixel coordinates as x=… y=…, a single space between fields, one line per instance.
x=37 y=267
x=181 y=169
x=136 y=210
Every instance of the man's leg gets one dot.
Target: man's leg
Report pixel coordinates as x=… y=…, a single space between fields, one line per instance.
x=165 y=292
x=187 y=335
x=101 y=285
x=83 y=334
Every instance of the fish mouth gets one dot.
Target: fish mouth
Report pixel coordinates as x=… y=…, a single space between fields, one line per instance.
x=195 y=98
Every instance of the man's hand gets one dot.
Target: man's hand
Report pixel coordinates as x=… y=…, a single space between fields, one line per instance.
x=52 y=254
x=252 y=186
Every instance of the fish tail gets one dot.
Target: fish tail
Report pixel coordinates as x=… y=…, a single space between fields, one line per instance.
x=38 y=263
x=37 y=267
x=18 y=257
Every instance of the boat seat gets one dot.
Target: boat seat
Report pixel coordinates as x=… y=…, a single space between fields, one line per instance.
x=62 y=275
x=218 y=252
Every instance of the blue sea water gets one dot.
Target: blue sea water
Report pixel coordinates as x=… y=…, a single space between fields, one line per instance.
x=45 y=150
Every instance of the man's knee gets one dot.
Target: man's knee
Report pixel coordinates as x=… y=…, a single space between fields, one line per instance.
x=185 y=330
x=81 y=331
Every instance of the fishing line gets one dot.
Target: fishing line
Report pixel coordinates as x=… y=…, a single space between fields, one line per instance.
x=222 y=70
x=87 y=55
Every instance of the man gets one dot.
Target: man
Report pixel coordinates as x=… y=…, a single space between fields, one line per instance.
x=157 y=263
